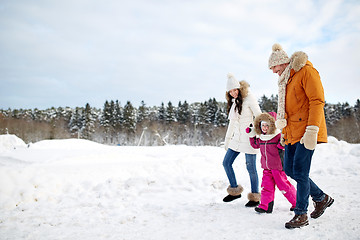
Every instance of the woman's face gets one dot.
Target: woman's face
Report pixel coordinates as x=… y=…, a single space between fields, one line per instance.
x=234 y=92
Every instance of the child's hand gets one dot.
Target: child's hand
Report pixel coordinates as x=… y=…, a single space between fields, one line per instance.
x=280 y=146
x=250 y=130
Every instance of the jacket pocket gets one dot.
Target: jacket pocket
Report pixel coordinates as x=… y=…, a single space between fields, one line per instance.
x=301 y=116
x=297 y=124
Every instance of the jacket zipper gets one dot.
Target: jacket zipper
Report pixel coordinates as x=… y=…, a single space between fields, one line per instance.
x=266 y=160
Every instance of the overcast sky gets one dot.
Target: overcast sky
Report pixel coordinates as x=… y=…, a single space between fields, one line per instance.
x=73 y=52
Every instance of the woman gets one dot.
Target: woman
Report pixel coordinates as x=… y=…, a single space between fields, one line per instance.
x=242 y=109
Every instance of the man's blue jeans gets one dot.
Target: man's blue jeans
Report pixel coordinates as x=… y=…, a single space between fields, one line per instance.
x=297 y=162
x=250 y=166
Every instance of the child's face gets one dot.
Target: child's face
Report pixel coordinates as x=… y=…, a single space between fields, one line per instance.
x=264 y=127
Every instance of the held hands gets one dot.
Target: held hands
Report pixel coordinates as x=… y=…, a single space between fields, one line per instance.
x=250 y=130
x=310 y=137
x=282 y=140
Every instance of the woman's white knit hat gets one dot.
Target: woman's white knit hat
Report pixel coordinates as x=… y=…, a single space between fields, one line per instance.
x=278 y=56
x=232 y=83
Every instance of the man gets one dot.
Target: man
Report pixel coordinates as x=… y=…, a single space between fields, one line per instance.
x=302 y=120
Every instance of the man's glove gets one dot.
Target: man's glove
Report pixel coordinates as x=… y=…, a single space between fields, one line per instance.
x=310 y=137
x=250 y=130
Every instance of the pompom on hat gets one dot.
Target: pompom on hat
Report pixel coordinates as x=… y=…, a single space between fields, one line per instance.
x=278 y=56
x=232 y=83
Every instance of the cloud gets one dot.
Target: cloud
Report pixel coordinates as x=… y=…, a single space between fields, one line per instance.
x=160 y=51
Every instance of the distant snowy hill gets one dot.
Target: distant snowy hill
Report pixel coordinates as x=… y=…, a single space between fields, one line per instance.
x=78 y=189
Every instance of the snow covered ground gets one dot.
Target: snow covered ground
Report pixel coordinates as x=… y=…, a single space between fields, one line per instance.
x=77 y=189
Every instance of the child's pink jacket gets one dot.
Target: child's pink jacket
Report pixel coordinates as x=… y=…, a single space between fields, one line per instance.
x=269 y=143
x=269 y=148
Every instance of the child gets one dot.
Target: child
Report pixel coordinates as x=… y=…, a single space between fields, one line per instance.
x=273 y=173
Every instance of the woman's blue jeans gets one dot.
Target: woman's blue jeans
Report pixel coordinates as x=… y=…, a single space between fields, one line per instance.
x=297 y=162
x=250 y=166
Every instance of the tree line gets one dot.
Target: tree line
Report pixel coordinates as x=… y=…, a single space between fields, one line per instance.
x=200 y=123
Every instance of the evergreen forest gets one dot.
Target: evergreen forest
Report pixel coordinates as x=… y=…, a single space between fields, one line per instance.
x=194 y=124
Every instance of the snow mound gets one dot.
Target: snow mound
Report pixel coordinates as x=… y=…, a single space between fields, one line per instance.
x=78 y=189
x=69 y=144
x=355 y=151
x=10 y=141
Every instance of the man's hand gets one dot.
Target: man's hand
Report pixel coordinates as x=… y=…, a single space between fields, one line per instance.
x=310 y=137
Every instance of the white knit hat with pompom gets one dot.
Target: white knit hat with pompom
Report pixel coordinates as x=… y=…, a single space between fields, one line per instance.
x=232 y=83
x=278 y=56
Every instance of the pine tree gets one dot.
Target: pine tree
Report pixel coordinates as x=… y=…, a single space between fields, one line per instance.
x=105 y=121
x=106 y=115
x=129 y=118
x=268 y=104
x=211 y=109
x=37 y=115
x=66 y=113
x=88 y=127
x=346 y=109
x=117 y=116
x=357 y=105
x=143 y=112
x=76 y=122
x=357 y=110
x=170 y=113
x=201 y=113
x=112 y=121
x=221 y=115
x=15 y=114
x=183 y=113
x=161 y=113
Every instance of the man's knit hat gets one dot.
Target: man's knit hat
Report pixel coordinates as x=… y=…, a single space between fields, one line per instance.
x=278 y=56
x=232 y=83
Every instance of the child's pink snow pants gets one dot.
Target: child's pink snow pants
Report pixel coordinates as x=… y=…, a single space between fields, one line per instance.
x=269 y=180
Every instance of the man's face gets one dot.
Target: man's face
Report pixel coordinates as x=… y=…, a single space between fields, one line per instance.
x=279 y=69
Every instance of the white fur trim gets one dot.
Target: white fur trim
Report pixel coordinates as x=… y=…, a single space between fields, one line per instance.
x=235 y=191
x=254 y=197
x=268 y=137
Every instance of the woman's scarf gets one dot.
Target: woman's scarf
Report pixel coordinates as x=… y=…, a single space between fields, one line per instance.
x=233 y=113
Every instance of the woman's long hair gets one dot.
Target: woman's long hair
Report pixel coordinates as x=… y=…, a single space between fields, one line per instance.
x=238 y=102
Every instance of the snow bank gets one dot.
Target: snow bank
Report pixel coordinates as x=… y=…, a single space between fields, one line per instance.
x=75 y=144
x=9 y=142
x=77 y=189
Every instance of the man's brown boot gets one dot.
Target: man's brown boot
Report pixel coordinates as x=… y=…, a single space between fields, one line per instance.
x=321 y=206
x=298 y=221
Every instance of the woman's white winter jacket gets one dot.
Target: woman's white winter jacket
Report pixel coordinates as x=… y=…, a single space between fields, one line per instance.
x=236 y=137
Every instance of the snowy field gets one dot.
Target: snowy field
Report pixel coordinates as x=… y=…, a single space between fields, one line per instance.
x=77 y=189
